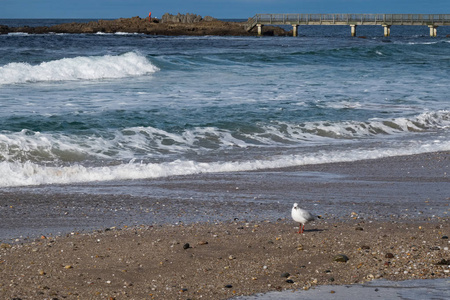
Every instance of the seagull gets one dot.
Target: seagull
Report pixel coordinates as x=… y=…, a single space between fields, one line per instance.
x=302 y=216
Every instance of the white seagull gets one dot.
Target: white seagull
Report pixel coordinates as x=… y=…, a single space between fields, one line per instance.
x=302 y=216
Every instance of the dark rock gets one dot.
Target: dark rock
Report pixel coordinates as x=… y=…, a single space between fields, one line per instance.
x=189 y=24
x=285 y=275
x=290 y=281
x=435 y=248
x=4 y=29
x=331 y=279
x=228 y=286
x=365 y=247
x=186 y=246
x=444 y=237
x=359 y=228
x=443 y=262
x=341 y=258
x=389 y=255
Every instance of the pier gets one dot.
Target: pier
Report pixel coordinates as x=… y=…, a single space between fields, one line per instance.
x=433 y=21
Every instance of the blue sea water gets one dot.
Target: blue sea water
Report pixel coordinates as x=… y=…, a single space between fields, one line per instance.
x=98 y=107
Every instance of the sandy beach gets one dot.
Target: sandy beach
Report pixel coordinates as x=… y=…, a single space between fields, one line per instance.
x=218 y=261
x=216 y=236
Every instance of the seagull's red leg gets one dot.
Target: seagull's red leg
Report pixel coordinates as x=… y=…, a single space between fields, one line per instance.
x=303 y=229
x=299 y=227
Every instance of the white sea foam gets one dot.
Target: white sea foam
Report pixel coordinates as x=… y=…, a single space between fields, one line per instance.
x=27 y=173
x=149 y=142
x=18 y=33
x=78 y=68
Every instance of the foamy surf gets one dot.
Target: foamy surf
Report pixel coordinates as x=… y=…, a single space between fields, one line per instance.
x=150 y=143
x=29 y=174
x=78 y=68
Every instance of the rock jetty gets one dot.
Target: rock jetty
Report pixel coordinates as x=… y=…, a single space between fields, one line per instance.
x=171 y=25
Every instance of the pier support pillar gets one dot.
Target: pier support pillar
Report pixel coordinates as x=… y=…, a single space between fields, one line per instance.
x=433 y=30
x=353 y=28
x=259 y=29
x=387 y=30
x=294 y=30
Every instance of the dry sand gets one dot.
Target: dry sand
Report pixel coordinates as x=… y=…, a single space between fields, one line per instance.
x=222 y=260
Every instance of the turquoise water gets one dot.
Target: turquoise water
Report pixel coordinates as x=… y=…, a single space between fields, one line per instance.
x=99 y=107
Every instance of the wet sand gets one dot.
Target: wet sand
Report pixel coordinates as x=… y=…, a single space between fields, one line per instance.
x=238 y=227
x=396 y=188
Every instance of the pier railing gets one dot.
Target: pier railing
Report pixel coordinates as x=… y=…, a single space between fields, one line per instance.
x=349 y=19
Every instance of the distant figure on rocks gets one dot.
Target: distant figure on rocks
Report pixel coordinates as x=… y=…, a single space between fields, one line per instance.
x=150 y=16
x=301 y=216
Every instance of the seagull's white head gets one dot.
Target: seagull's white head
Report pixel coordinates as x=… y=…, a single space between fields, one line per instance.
x=295 y=206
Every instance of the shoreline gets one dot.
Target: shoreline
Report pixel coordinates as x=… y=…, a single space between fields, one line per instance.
x=129 y=239
x=396 y=188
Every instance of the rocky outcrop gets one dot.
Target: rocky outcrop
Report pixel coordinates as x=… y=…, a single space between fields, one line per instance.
x=4 y=29
x=189 y=24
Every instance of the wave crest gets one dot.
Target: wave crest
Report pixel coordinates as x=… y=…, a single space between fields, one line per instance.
x=151 y=143
x=78 y=68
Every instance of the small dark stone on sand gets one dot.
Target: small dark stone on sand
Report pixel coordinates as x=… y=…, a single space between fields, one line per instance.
x=331 y=279
x=365 y=247
x=228 y=286
x=444 y=237
x=341 y=258
x=435 y=248
x=389 y=255
x=444 y=262
x=186 y=246
x=285 y=275
x=290 y=281
x=359 y=228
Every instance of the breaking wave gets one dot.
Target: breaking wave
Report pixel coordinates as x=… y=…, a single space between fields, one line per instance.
x=28 y=173
x=78 y=68
x=151 y=143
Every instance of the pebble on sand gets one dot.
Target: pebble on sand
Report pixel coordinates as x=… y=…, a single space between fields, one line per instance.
x=341 y=258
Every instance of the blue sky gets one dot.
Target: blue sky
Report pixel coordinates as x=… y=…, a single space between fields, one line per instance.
x=215 y=8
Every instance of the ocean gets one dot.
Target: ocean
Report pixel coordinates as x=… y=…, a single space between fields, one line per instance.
x=81 y=108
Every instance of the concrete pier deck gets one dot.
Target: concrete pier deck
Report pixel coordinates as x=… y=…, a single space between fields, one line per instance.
x=433 y=21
